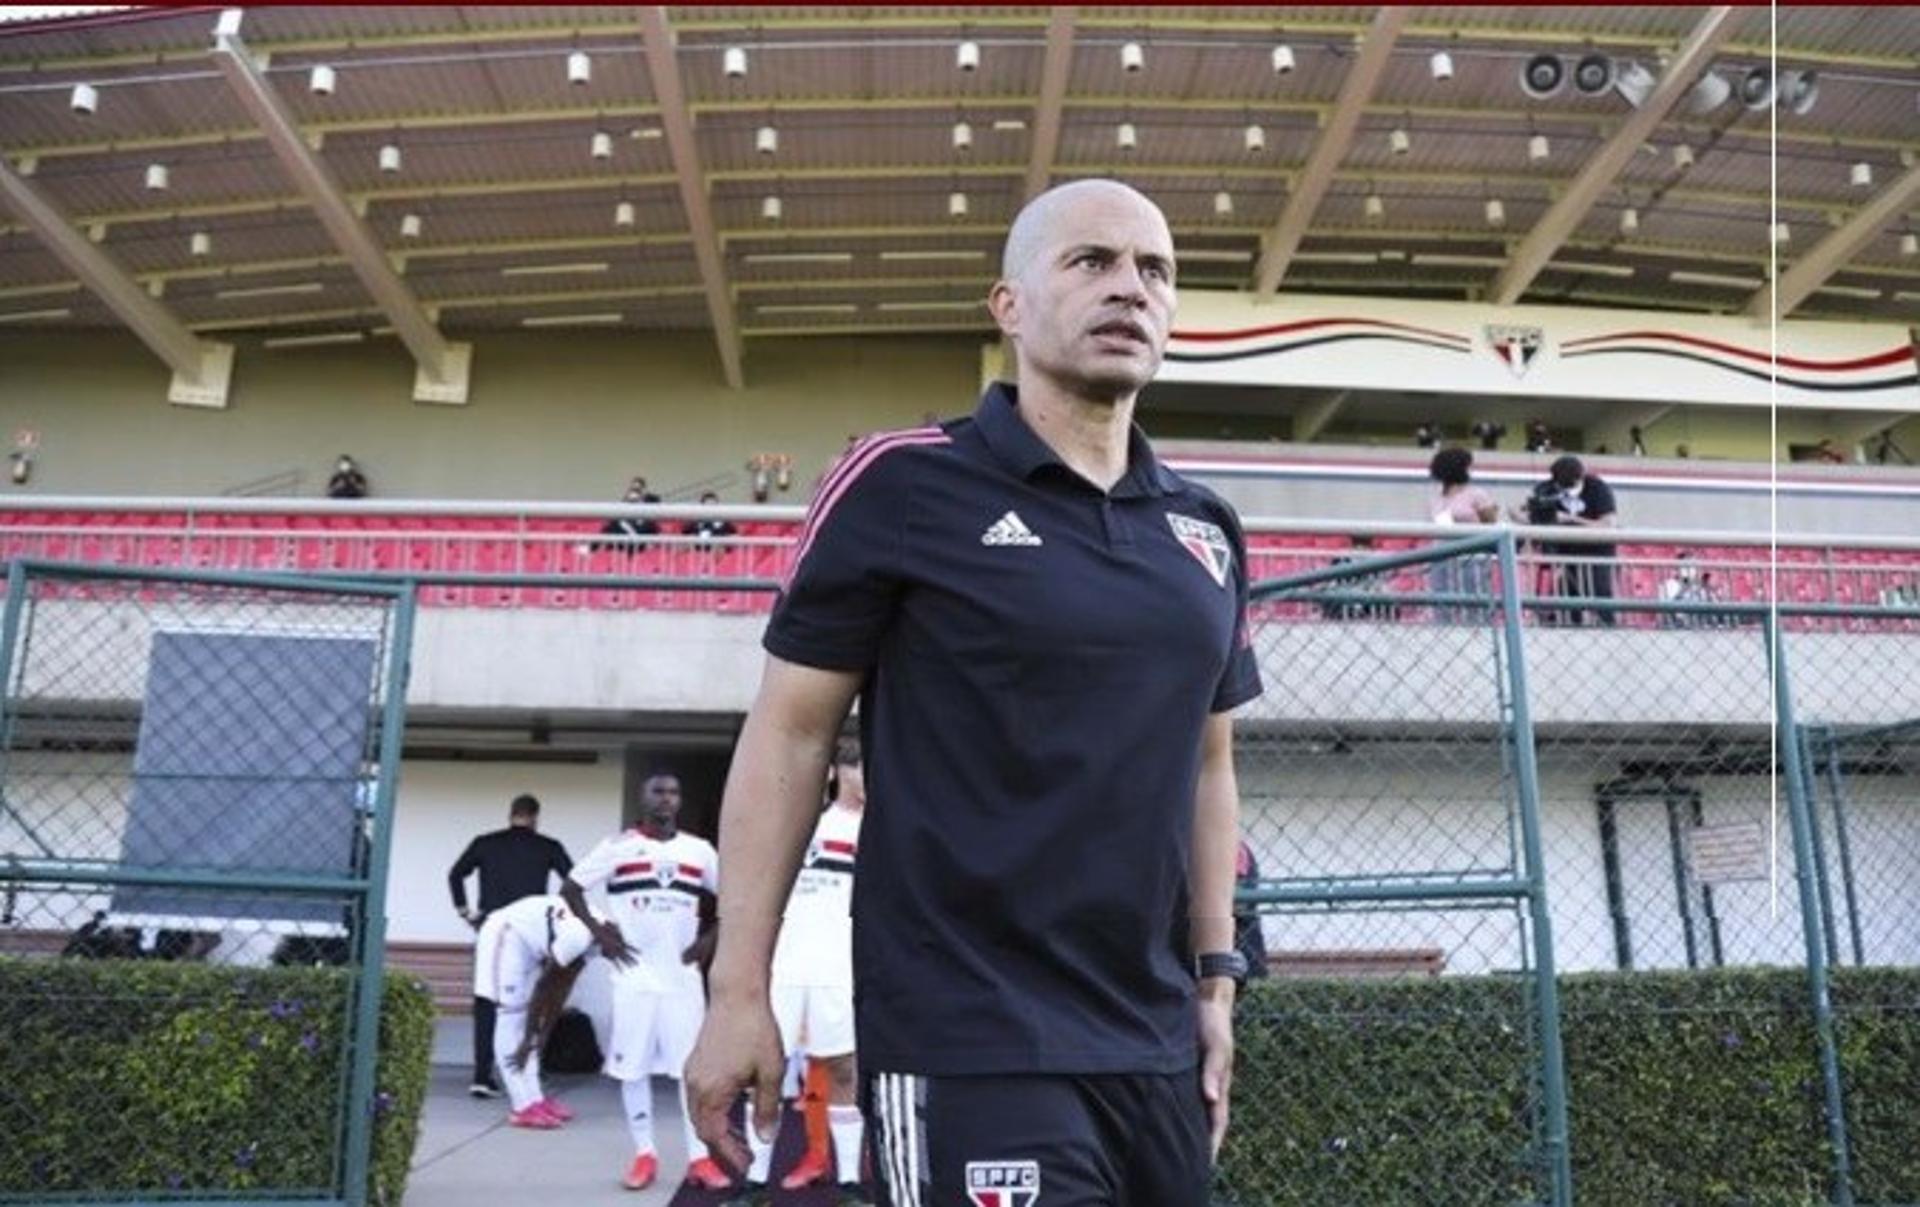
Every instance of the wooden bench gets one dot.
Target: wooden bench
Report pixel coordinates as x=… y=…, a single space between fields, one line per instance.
x=447 y=968
x=1358 y=962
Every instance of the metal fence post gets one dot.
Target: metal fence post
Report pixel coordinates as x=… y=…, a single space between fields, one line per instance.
x=1837 y=789
x=362 y=1096
x=1801 y=818
x=1553 y=1072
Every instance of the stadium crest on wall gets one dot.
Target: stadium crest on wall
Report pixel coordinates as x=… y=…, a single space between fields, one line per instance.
x=1515 y=346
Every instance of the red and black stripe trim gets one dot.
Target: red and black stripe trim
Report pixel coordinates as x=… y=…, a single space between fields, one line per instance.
x=1822 y=376
x=1369 y=329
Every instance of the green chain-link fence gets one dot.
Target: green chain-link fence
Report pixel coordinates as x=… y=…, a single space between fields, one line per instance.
x=1423 y=778
x=196 y=787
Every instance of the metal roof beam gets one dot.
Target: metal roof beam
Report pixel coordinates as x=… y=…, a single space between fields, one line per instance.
x=1336 y=135
x=1563 y=218
x=663 y=71
x=1312 y=418
x=202 y=370
x=1832 y=253
x=443 y=367
x=1055 y=73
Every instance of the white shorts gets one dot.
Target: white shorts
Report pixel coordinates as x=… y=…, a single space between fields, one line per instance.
x=653 y=1032
x=504 y=971
x=815 y=1019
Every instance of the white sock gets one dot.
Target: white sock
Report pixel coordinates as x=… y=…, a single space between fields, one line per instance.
x=848 y=1129
x=523 y=1086
x=762 y=1149
x=637 y=1097
x=696 y=1147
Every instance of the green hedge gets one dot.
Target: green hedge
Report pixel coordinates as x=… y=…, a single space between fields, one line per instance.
x=119 y=1077
x=1684 y=1088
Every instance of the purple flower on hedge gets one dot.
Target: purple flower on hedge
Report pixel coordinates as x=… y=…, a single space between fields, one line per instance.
x=284 y=1008
x=1337 y=1145
x=244 y=1158
x=1730 y=1040
x=256 y=1041
x=310 y=1041
x=382 y=1103
x=175 y=1181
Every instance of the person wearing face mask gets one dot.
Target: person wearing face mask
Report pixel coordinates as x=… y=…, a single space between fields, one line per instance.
x=624 y=532
x=347 y=481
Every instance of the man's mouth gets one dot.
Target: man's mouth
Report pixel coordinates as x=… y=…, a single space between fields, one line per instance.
x=1122 y=329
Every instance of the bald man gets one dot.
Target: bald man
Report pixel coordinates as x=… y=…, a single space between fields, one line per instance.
x=1044 y=627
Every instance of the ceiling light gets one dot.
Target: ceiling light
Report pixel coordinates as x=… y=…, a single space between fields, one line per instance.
x=733 y=61
x=390 y=157
x=1592 y=268
x=1455 y=260
x=962 y=136
x=1496 y=212
x=410 y=226
x=1682 y=276
x=930 y=254
x=1256 y=138
x=1334 y=257
x=1214 y=255
x=770 y=208
x=1782 y=233
x=1222 y=204
x=956 y=204
x=270 y=291
x=1910 y=244
x=555 y=270
x=602 y=145
x=1374 y=208
x=200 y=243
x=321 y=80
x=85 y=99
x=1538 y=148
x=799 y=257
x=1709 y=94
x=647 y=132
x=1632 y=81
x=156 y=177
x=623 y=214
x=317 y=340
x=1282 y=59
x=1861 y=292
x=1682 y=155
x=966 y=56
x=28 y=316
x=909 y=307
x=1441 y=65
x=1132 y=58
x=808 y=308
x=1005 y=124
x=1126 y=137
x=579 y=68
x=1399 y=142
x=606 y=319
x=1629 y=221
x=1861 y=175
x=766 y=140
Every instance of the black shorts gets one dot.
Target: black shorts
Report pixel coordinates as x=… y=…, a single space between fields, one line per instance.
x=1058 y=1140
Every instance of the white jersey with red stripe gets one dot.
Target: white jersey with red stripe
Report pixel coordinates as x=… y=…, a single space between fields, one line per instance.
x=653 y=893
x=816 y=936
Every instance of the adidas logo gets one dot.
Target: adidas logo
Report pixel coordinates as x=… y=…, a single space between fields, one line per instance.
x=1009 y=529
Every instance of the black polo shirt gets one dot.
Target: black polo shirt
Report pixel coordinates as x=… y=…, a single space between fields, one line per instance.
x=1041 y=658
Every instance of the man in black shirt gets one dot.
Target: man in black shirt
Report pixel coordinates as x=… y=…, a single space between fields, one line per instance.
x=1572 y=496
x=513 y=863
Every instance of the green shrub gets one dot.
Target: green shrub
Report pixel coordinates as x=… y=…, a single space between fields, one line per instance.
x=1683 y=1088
x=119 y=1077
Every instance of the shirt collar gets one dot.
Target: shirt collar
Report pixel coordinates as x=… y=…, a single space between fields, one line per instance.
x=1021 y=450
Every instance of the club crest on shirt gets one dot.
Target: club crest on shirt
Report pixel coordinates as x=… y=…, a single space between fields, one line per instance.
x=664 y=873
x=1003 y=1183
x=1206 y=542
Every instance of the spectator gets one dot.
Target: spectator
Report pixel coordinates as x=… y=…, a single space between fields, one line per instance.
x=1427 y=435
x=1637 y=442
x=1489 y=434
x=1572 y=497
x=513 y=863
x=1539 y=440
x=1248 y=937
x=1685 y=584
x=1683 y=451
x=1456 y=500
x=707 y=530
x=1902 y=594
x=1828 y=453
x=626 y=530
x=347 y=481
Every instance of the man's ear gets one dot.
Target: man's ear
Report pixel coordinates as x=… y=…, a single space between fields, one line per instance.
x=1003 y=302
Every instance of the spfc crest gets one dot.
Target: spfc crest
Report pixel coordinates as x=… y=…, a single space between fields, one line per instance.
x=1516 y=346
x=664 y=873
x=1206 y=542
x=1003 y=1183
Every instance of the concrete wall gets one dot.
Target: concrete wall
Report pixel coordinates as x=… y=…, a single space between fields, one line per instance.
x=551 y=416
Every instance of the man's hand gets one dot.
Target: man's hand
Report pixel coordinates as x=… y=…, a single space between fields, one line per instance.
x=471 y=916
x=700 y=951
x=612 y=943
x=738 y=1048
x=1216 y=1054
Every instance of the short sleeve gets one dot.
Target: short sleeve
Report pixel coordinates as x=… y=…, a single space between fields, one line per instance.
x=839 y=596
x=710 y=870
x=597 y=868
x=1601 y=501
x=1240 y=681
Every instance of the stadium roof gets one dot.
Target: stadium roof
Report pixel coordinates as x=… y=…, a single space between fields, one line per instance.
x=520 y=212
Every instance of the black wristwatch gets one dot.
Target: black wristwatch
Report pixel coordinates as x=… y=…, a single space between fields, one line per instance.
x=1229 y=964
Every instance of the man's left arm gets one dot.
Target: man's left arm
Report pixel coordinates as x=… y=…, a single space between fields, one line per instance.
x=1216 y=837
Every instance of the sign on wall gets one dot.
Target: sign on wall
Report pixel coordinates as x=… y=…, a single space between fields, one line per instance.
x=1539 y=351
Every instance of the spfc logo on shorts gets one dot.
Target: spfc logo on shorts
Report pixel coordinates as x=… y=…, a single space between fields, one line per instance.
x=1516 y=346
x=1206 y=542
x=1003 y=1183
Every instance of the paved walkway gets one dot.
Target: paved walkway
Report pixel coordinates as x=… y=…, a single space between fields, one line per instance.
x=467 y=1154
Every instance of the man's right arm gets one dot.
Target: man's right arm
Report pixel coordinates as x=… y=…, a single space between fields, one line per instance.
x=767 y=814
x=457 y=877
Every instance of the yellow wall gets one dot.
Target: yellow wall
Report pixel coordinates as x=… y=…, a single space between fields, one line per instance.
x=550 y=417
